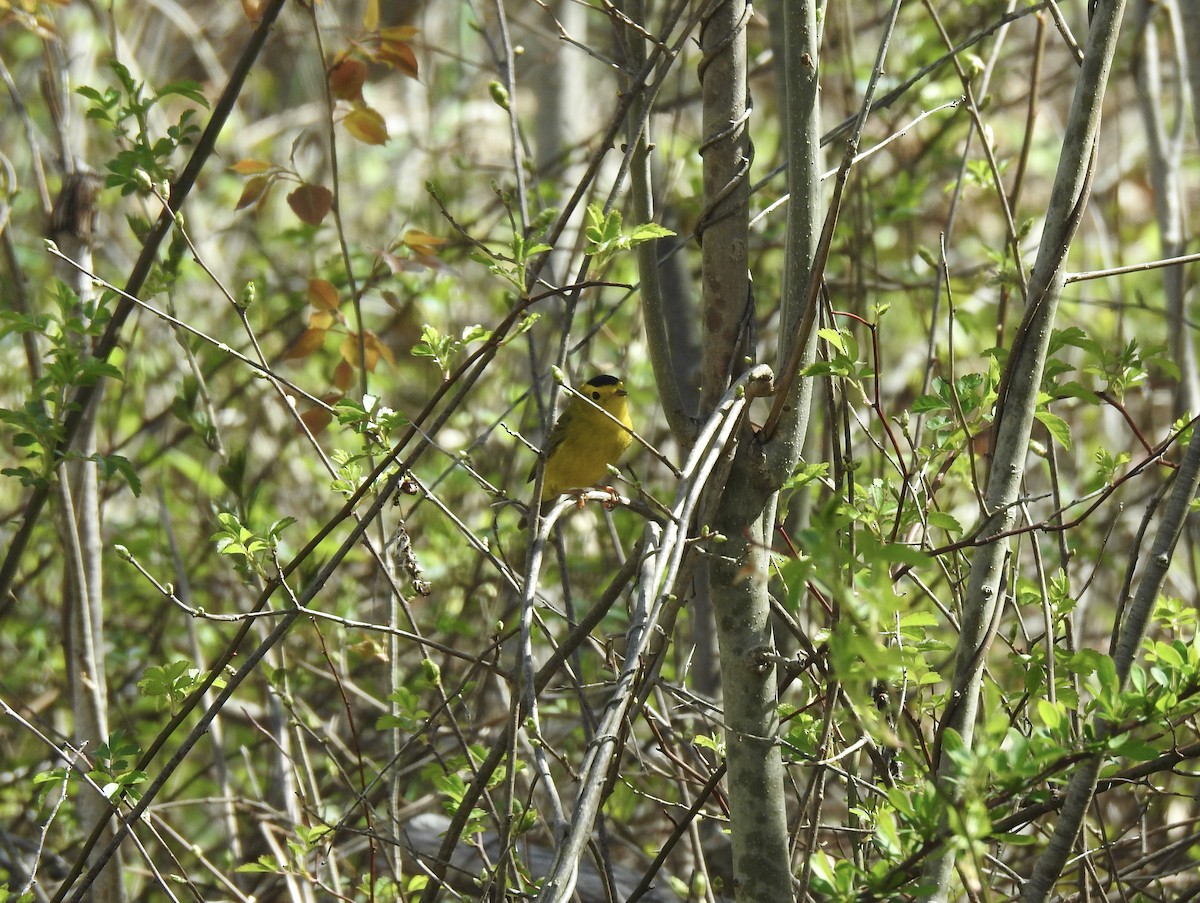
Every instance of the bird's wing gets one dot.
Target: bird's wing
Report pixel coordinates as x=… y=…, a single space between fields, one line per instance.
x=557 y=434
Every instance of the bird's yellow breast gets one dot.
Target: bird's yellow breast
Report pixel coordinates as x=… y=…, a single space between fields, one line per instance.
x=585 y=442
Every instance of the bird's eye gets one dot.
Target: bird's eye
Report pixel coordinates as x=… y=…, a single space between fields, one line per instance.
x=596 y=396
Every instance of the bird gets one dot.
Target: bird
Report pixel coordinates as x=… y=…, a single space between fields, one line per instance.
x=585 y=440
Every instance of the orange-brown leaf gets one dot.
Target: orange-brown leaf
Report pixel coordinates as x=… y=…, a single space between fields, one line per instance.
x=317 y=420
x=376 y=350
x=309 y=341
x=311 y=203
x=253 y=10
x=399 y=56
x=371 y=354
x=253 y=190
x=422 y=242
x=251 y=167
x=366 y=125
x=321 y=319
x=346 y=79
x=348 y=350
x=372 y=351
x=343 y=375
x=323 y=295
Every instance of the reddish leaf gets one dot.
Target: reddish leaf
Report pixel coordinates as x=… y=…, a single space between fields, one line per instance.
x=346 y=79
x=253 y=190
x=366 y=125
x=399 y=56
x=316 y=420
x=309 y=341
x=311 y=203
x=343 y=375
x=322 y=295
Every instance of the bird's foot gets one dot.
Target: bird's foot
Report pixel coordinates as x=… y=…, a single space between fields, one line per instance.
x=614 y=499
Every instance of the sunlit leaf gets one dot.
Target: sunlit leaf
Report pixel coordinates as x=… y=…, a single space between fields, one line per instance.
x=321 y=319
x=323 y=295
x=833 y=337
x=1056 y=427
x=366 y=125
x=422 y=242
x=945 y=521
x=251 y=167
x=370 y=354
x=348 y=350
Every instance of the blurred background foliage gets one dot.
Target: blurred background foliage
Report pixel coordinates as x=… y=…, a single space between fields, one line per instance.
x=360 y=226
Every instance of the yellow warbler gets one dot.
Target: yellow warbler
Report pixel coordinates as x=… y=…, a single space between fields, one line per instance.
x=585 y=441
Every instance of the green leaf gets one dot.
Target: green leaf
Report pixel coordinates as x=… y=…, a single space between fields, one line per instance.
x=648 y=232
x=1168 y=655
x=264 y=864
x=833 y=337
x=819 y=368
x=1129 y=747
x=947 y=522
x=1019 y=840
x=923 y=404
x=118 y=465
x=919 y=619
x=1075 y=389
x=185 y=88
x=1050 y=713
x=1056 y=426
